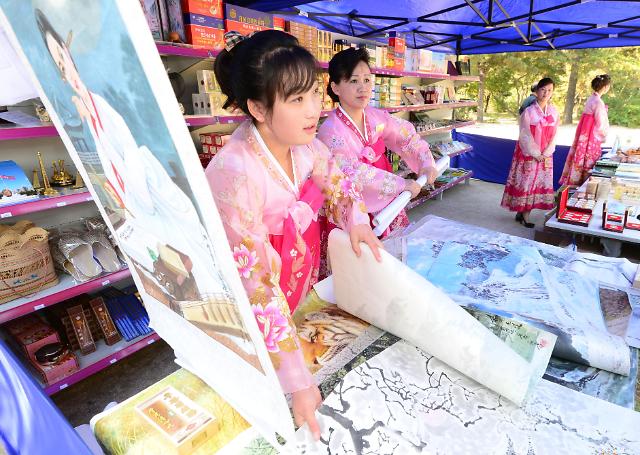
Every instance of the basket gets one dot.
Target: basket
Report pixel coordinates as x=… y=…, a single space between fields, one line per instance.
x=26 y=266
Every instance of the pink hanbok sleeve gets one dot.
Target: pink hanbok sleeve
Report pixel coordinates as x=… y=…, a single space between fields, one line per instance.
x=601 y=121
x=401 y=137
x=378 y=187
x=551 y=146
x=527 y=142
x=343 y=201
x=239 y=198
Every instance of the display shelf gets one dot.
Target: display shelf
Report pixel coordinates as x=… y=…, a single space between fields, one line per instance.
x=444 y=129
x=100 y=359
x=204 y=120
x=430 y=107
x=185 y=50
x=69 y=197
x=421 y=199
x=399 y=73
x=8 y=133
x=65 y=289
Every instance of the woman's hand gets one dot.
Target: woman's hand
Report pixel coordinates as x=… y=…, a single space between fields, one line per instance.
x=412 y=186
x=305 y=404
x=431 y=172
x=363 y=233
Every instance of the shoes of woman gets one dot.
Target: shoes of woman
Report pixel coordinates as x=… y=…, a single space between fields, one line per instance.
x=520 y=219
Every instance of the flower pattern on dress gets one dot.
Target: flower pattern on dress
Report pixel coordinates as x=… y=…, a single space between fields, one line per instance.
x=272 y=323
x=245 y=260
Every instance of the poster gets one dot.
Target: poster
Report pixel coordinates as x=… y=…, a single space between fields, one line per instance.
x=103 y=83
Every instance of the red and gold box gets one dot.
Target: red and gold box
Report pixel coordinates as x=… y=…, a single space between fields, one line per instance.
x=566 y=215
x=248 y=16
x=278 y=23
x=211 y=8
x=32 y=335
x=179 y=421
x=614 y=222
x=206 y=37
x=242 y=27
x=64 y=367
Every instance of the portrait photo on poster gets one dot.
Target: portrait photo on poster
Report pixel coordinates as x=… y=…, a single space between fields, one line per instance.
x=101 y=78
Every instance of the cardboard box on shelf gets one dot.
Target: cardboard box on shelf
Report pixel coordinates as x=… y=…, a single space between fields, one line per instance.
x=206 y=37
x=248 y=16
x=278 y=23
x=175 y=21
x=212 y=8
x=207 y=82
x=152 y=14
x=205 y=21
x=242 y=27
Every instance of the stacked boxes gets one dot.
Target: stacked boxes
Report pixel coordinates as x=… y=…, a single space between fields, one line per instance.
x=323 y=81
x=203 y=23
x=381 y=56
x=381 y=92
x=396 y=51
x=245 y=20
x=279 y=23
x=211 y=144
x=209 y=99
x=412 y=60
x=325 y=46
x=395 y=91
x=307 y=35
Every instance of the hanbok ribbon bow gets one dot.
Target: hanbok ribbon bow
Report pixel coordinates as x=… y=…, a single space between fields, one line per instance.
x=302 y=215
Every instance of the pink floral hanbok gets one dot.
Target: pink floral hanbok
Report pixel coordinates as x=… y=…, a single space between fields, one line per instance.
x=586 y=148
x=272 y=226
x=530 y=182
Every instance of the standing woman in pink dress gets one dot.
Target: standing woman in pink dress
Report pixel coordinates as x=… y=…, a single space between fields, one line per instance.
x=530 y=182
x=591 y=133
x=357 y=135
x=268 y=182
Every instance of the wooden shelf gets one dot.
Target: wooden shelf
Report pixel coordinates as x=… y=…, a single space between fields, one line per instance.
x=444 y=129
x=423 y=198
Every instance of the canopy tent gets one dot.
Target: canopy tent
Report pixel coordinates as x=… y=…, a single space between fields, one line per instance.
x=475 y=26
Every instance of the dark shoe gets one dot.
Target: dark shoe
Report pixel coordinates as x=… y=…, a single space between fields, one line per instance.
x=519 y=217
x=528 y=225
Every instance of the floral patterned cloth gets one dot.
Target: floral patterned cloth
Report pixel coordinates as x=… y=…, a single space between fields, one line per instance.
x=255 y=197
x=530 y=182
x=355 y=155
x=586 y=148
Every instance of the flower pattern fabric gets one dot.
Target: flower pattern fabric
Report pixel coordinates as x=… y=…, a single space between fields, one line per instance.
x=254 y=199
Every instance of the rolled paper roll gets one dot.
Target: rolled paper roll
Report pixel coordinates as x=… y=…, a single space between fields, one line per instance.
x=414 y=309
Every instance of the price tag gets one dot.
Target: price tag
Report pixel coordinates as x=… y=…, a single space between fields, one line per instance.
x=105 y=282
x=89 y=198
x=151 y=341
x=112 y=361
x=38 y=307
x=5 y=215
x=63 y=386
x=61 y=204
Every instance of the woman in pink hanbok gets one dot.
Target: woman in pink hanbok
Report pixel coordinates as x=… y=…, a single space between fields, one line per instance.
x=268 y=182
x=591 y=133
x=357 y=135
x=530 y=182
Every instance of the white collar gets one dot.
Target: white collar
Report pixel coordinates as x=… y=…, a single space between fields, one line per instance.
x=294 y=184
x=364 y=122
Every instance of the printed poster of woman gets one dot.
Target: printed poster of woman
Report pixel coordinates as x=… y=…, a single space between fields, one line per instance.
x=117 y=115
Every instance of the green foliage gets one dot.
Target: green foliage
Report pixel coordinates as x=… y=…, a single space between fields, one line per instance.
x=508 y=79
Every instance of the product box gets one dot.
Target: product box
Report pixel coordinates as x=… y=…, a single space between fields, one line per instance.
x=178 y=420
x=152 y=14
x=214 y=139
x=206 y=21
x=207 y=103
x=242 y=27
x=424 y=60
x=33 y=337
x=211 y=8
x=279 y=23
x=438 y=63
x=205 y=37
x=174 y=22
x=566 y=215
x=207 y=82
x=397 y=42
x=248 y=16
x=51 y=374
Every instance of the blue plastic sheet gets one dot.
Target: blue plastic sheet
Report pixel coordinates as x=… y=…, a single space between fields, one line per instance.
x=30 y=423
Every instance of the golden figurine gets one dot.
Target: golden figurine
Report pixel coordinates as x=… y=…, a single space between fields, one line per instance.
x=60 y=175
x=79 y=182
x=36 y=180
x=48 y=191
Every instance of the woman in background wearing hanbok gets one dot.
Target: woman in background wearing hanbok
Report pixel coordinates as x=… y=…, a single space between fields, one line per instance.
x=357 y=135
x=530 y=182
x=590 y=134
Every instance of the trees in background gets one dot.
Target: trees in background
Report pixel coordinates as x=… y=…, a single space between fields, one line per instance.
x=508 y=78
